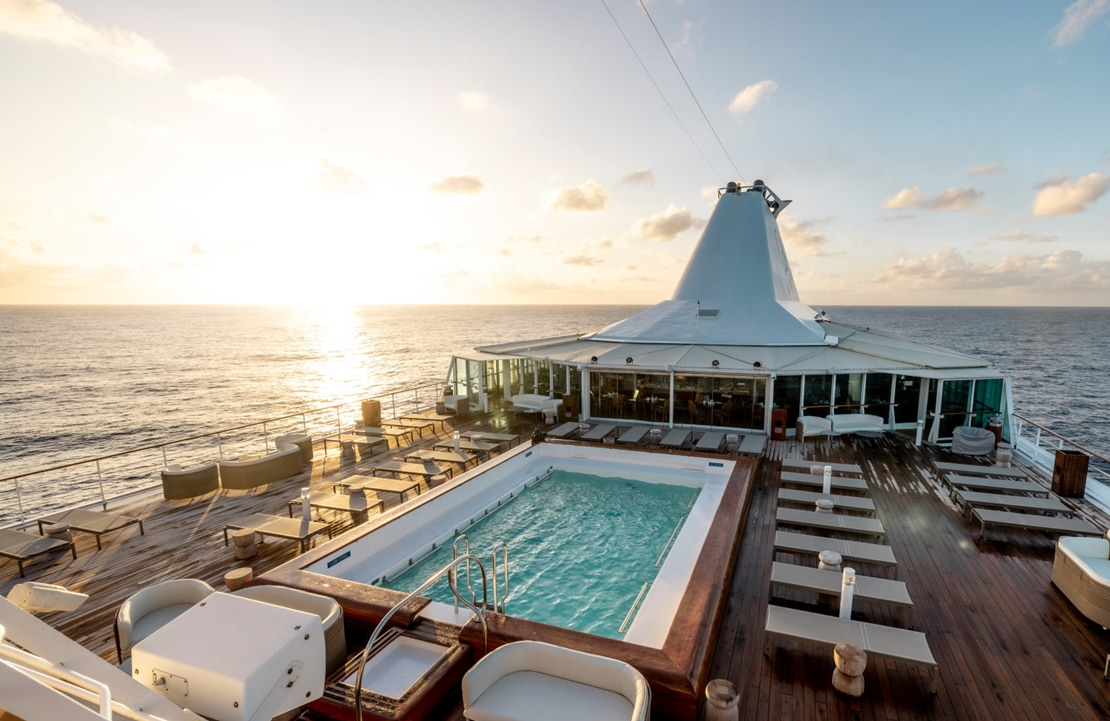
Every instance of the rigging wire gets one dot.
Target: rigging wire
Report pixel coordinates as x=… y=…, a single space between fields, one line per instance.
x=692 y=95
x=667 y=102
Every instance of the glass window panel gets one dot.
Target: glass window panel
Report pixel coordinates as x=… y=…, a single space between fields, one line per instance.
x=907 y=394
x=788 y=393
x=818 y=392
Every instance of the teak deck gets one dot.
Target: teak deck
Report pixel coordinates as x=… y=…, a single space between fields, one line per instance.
x=1008 y=643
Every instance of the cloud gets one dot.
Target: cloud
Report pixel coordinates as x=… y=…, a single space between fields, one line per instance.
x=338 y=178
x=1059 y=272
x=197 y=249
x=474 y=102
x=589 y=197
x=47 y=22
x=667 y=225
x=523 y=239
x=982 y=171
x=1020 y=234
x=684 y=41
x=950 y=199
x=459 y=185
x=1063 y=196
x=643 y=176
x=238 y=95
x=433 y=247
x=751 y=96
x=1077 y=18
x=804 y=236
x=99 y=219
x=583 y=259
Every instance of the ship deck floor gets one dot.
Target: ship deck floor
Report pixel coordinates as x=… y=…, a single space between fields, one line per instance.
x=1007 y=642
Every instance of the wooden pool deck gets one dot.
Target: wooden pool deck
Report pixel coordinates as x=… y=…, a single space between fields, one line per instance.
x=1007 y=642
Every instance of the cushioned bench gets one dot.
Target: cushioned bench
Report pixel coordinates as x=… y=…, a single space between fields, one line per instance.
x=855 y=422
x=1032 y=522
x=1081 y=571
x=241 y=475
x=807 y=426
x=191 y=482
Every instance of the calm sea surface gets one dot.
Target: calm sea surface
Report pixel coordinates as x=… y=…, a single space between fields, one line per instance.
x=78 y=382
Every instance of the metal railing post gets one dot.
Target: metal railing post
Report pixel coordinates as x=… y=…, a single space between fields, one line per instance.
x=100 y=480
x=165 y=462
x=19 y=502
x=338 y=423
x=266 y=436
x=304 y=424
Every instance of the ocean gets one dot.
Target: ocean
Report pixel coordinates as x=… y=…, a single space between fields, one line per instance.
x=83 y=381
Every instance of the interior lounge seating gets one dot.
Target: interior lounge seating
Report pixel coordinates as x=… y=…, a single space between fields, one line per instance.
x=242 y=475
x=300 y=440
x=1081 y=570
x=153 y=607
x=180 y=483
x=539 y=681
x=328 y=609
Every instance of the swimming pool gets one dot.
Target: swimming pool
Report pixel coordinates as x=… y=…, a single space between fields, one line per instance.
x=581 y=548
x=408 y=534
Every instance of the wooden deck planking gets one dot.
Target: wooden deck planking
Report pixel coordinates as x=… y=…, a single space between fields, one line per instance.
x=1009 y=645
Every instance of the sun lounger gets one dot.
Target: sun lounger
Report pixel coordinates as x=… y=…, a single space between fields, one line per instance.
x=432 y=416
x=975 y=499
x=370 y=445
x=851 y=551
x=635 y=434
x=95 y=522
x=1034 y=522
x=566 y=430
x=357 y=504
x=994 y=485
x=710 y=441
x=752 y=444
x=360 y=484
x=809 y=498
x=424 y=470
x=422 y=455
x=293 y=529
x=851 y=468
x=974 y=469
x=675 y=438
x=21 y=546
x=894 y=643
x=836 y=483
x=411 y=423
x=830 y=522
x=868 y=588
x=599 y=433
x=482 y=449
x=396 y=433
x=486 y=437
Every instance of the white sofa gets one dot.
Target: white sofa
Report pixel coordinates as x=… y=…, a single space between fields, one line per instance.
x=536 y=402
x=539 y=681
x=855 y=422
x=807 y=426
x=1081 y=571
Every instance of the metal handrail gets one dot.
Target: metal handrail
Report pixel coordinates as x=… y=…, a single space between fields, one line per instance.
x=1054 y=434
x=449 y=569
x=465 y=540
x=504 y=548
x=389 y=396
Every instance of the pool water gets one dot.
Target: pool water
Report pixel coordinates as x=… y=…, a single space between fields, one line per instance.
x=581 y=547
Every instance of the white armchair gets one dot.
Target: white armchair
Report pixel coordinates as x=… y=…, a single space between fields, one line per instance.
x=538 y=681
x=153 y=607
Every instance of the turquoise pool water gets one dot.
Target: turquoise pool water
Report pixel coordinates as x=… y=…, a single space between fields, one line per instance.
x=581 y=547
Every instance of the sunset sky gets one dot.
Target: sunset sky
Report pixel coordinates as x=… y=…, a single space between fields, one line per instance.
x=367 y=152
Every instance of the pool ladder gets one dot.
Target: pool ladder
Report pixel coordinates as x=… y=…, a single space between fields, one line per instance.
x=498 y=602
x=450 y=571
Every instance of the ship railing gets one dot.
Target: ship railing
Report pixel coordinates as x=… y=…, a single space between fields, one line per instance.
x=113 y=477
x=1038 y=444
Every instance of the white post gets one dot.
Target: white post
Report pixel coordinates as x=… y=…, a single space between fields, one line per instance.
x=847 y=591
x=826 y=486
x=920 y=430
x=306 y=506
x=458 y=449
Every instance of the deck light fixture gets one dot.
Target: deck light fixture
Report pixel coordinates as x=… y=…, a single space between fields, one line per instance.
x=757 y=364
x=628 y=360
x=593 y=359
x=716 y=363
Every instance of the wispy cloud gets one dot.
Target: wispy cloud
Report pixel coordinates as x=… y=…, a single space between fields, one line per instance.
x=474 y=101
x=1077 y=18
x=684 y=40
x=99 y=219
x=1020 y=234
x=950 y=199
x=804 y=236
x=589 y=197
x=458 y=185
x=45 y=21
x=338 y=178
x=982 y=171
x=643 y=176
x=1064 y=196
x=238 y=95
x=583 y=260
x=751 y=96
x=667 y=225
x=1062 y=271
